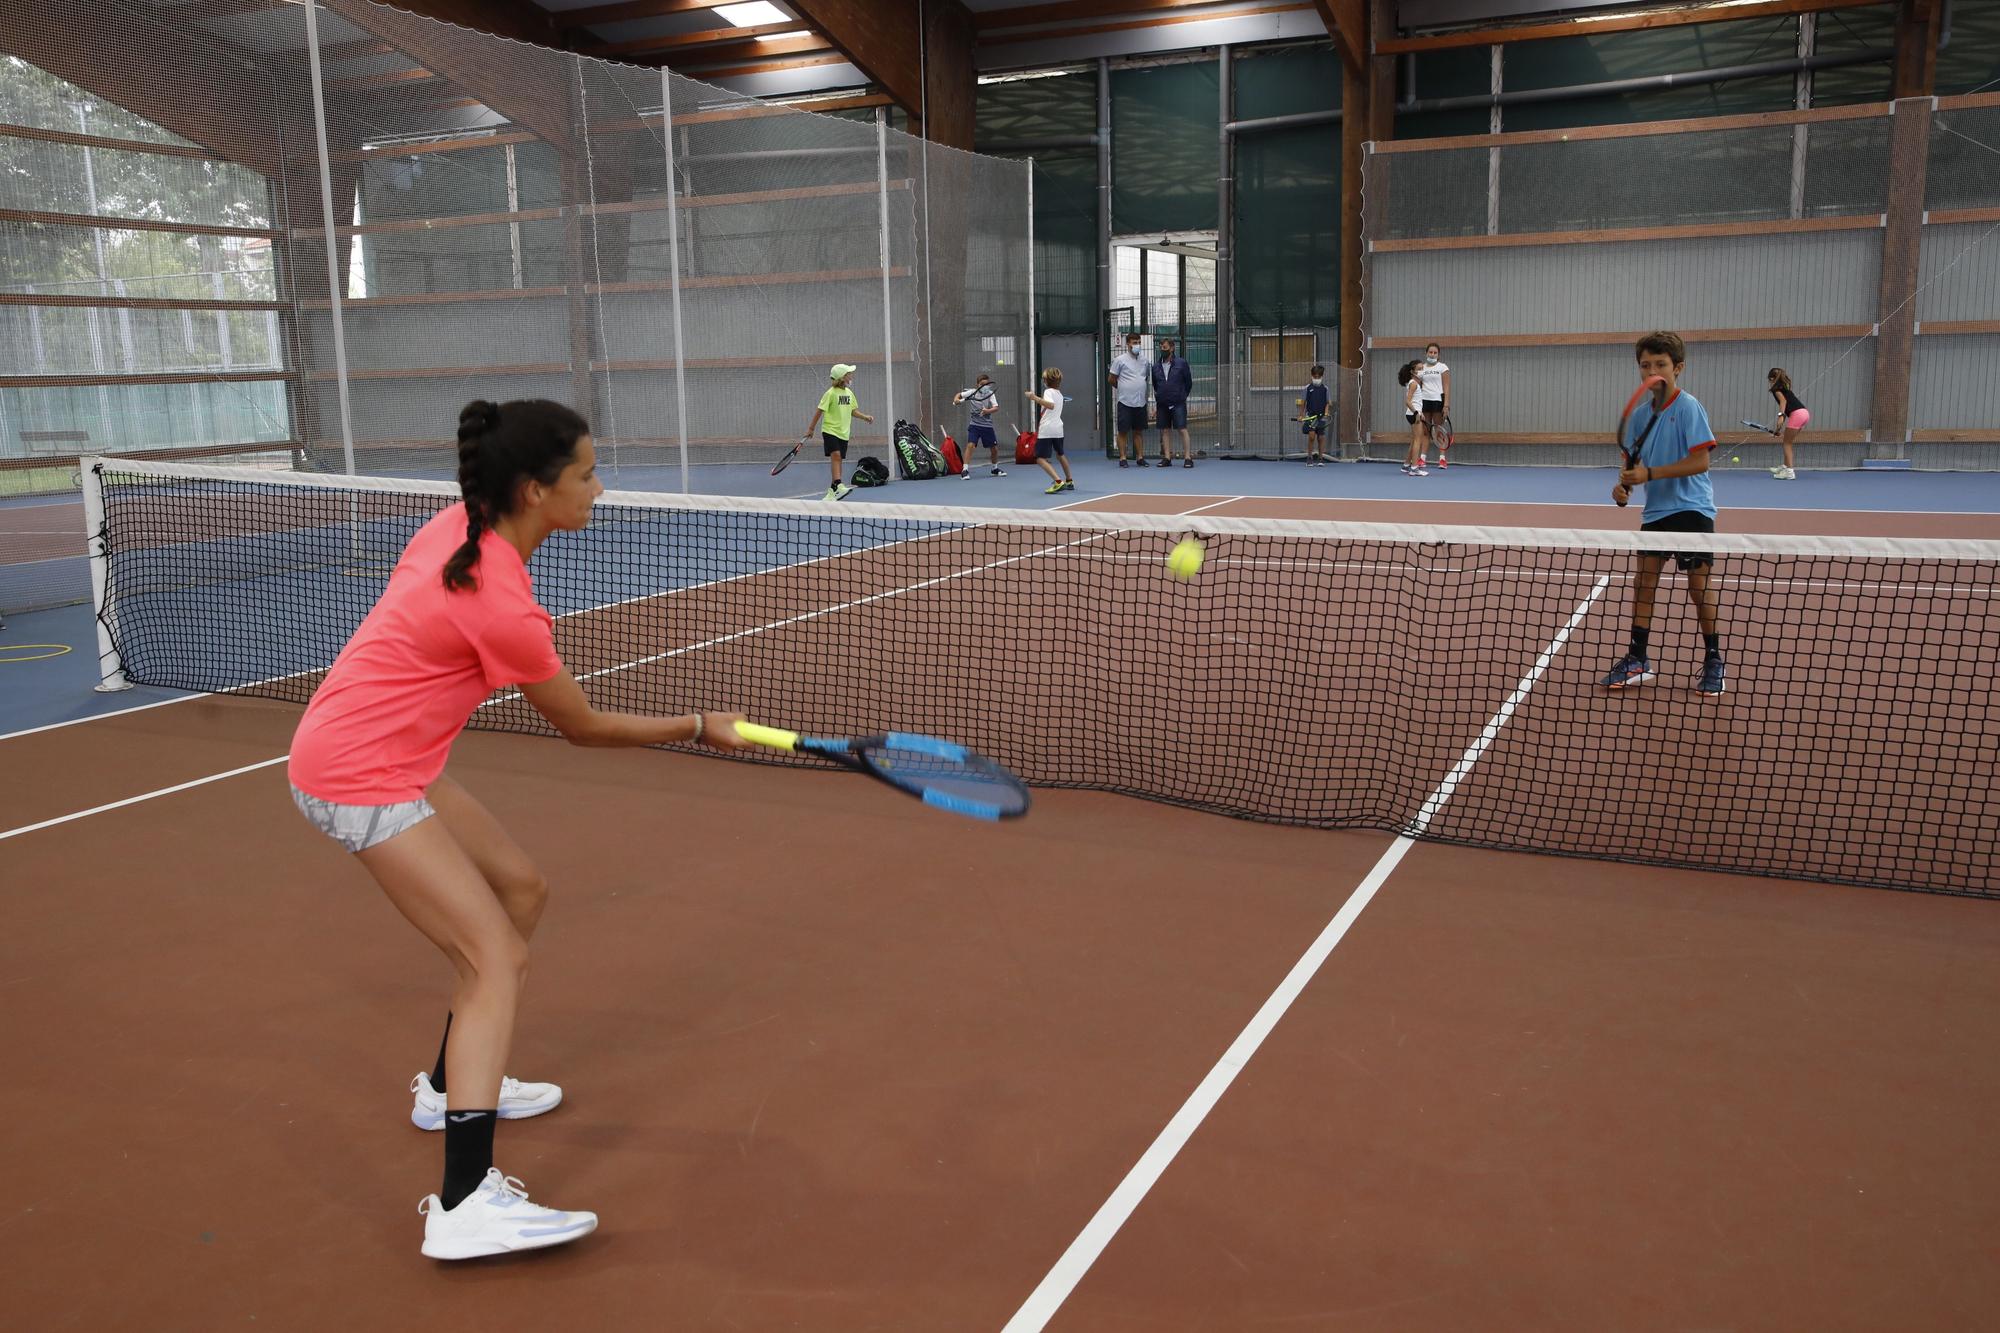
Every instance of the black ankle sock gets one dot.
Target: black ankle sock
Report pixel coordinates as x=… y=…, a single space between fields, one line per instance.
x=1714 y=644
x=1639 y=637
x=468 y=1153
x=437 y=1075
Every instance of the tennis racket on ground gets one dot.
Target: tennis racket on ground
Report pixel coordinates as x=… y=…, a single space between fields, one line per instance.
x=1754 y=425
x=790 y=454
x=939 y=773
x=1631 y=454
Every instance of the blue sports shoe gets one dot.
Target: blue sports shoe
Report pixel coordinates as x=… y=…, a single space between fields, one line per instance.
x=1712 y=673
x=1632 y=669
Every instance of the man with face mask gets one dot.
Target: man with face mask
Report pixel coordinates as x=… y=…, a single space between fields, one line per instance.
x=1171 y=382
x=1130 y=373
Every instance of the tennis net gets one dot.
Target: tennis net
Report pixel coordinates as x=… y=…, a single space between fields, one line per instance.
x=1436 y=682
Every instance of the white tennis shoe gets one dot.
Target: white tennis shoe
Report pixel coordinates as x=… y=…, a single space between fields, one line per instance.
x=497 y=1218
x=518 y=1101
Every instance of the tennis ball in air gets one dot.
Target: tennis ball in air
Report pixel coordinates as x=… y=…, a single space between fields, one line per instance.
x=1734 y=459
x=1185 y=560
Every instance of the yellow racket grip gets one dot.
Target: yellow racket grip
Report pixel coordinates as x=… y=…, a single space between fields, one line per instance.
x=775 y=737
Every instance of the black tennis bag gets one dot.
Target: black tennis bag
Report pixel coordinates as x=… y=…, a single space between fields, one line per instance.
x=870 y=472
x=917 y=459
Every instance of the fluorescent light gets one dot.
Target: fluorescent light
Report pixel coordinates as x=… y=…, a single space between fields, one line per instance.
x=752 y=15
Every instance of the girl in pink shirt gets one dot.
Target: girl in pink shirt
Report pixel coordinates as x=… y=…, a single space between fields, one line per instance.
x=459 y=620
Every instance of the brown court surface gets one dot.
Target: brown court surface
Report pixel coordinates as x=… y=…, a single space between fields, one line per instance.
x=834 y=1067
x=836 y=1063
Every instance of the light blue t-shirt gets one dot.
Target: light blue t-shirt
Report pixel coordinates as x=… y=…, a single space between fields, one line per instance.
x=1683 y=429
x=1133 y=371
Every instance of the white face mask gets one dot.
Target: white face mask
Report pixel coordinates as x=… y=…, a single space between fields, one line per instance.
x=1430 y=358
x=1318 y=380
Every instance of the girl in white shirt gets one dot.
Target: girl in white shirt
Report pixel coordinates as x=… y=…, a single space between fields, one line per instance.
x=1049 y=431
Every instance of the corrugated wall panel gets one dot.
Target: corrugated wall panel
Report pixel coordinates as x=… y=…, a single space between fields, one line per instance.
x=1533 y=390
x=1710 y=283
x=1953 y=385
x=1959 y=277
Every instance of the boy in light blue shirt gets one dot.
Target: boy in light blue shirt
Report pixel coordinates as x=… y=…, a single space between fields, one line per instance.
x=1675 y=444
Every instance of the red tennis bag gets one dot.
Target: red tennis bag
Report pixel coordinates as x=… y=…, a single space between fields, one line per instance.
x=1024 y=448
x=953 y=463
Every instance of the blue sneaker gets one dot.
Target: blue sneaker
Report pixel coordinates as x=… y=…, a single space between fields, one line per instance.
x=1712 y=673
x=1632 y=669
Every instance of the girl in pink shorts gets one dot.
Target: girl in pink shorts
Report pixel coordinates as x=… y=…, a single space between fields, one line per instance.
x=458 y=621
x=1792 y=418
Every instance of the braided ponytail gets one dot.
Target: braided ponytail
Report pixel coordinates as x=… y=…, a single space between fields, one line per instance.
x=499 y=447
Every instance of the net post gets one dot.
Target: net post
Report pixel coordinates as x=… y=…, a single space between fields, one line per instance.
x=674 y=269
x=1034 y=313
x=331 y=229
x=882 y=241
x=111 y=671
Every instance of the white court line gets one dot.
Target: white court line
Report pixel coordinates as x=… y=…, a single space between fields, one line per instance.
x=943 y=530
x=134 y=800
x=1213 y=504
x=1055 y=1288
x=41 y=560
x=515 y=694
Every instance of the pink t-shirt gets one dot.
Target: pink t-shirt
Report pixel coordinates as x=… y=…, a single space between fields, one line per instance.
x=381 y=725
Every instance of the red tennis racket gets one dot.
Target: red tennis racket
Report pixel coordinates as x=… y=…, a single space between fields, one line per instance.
x=1631 y=453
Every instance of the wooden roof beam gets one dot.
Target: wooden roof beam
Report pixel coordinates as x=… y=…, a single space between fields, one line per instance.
x=533 y=104
x=928 y=70
x=1589 y=25
x=1347 y=20
x=230 y=118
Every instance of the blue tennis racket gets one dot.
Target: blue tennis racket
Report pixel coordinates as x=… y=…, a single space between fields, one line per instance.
x=941 y=774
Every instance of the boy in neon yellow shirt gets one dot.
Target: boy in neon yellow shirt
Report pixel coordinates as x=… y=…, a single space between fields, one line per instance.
x=834 y=419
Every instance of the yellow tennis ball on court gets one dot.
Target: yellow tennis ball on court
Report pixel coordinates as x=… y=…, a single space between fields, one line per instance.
x=1185 y=559
x=1734 y=459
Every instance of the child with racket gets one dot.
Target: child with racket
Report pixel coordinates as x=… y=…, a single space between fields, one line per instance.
x=1666 y=441
x=1792 y=418
x=1313 y=424
x=1413 y=412
x=980 y=404
x=458 y=620
x=1049 y=431
x=1435 y=376
x=834 y=419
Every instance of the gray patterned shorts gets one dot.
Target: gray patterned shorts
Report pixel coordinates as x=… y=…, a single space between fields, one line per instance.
x=359 y=827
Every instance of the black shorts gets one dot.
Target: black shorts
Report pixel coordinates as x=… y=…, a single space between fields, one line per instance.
x=1433 y=407
x=1131 y=420
x=980 y=432
x=1049 y=446
x=1683 y=520
x=1170 y=416
x=1410 y=417
x=833 y=445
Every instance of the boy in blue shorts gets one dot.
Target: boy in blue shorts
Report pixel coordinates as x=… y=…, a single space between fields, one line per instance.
x=1049 y=432
x=1312 y=418
x=980 y=405
x=1673 y=467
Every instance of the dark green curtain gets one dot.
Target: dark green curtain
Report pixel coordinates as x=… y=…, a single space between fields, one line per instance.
x=1565 y=61
x=1164 y=148
x=1287 y=214
x=1011 y=117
